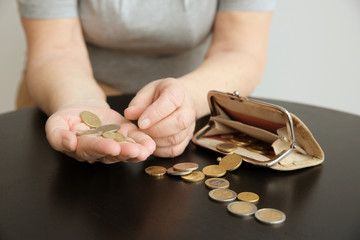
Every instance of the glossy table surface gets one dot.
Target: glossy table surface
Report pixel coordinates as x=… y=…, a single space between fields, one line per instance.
x=46 y=195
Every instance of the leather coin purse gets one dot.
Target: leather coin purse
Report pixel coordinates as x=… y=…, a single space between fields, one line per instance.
x=263 y=134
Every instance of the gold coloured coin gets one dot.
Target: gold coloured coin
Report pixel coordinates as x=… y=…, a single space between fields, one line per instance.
x=108 y=128
x=231 y=162
x=89 y=132
x=186 y=166
x=222 y=195
x=195 y=176
x=248 y=197
x=243 y=140
x=156 y=171
x=257 y=149
x=227 y=136
x=173 y=172
x=242 y=209
x=113 y=135
x=90 y=119
x=226 y=147
x=215 y=183
x=270 y=216
x=214 y=171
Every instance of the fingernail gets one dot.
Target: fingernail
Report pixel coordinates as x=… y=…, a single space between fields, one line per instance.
x=66 y=144
x=144 y=123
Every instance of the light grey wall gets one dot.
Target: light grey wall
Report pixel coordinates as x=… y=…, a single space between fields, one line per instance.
x=314 y=54
x=12 y=54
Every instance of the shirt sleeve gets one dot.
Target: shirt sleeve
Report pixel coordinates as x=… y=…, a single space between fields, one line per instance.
x=47 y=8
x=247 y=5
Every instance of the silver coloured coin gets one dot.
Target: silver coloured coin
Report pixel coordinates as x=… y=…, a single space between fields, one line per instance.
x=241 y=208
x=108 y=128
x=222 y=195
x=215 y=183
x=89 y=132
x=173 y=172
x=270 y=216
x=186 y=166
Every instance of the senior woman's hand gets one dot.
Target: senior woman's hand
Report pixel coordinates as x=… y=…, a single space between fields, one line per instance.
x=165 y=111
x=61 y=128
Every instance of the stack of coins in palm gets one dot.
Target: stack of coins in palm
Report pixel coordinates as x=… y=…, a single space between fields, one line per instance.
x=97 y=129
x=220 y=192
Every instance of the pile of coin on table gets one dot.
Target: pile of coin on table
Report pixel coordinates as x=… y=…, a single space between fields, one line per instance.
x=97 y=129
x=233 y=141
x=220 y=187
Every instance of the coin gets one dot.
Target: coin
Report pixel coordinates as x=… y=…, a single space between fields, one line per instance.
x=195 y=176
x=173 y=172
x=155 y=171
x=214 y=171
x=90 y=119
x=241 y=208
x=226 y=147
x=215 y=183
x=222 y=195
x=89 y=132
x=257 y=149
x=243 y=140
x=231 y=162
x=248 y=197
x=270 y=216
x=226 y=136
x=113 y=135
x=108 y=128
x=186 y=166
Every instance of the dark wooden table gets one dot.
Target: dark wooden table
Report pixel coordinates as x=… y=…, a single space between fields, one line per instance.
x=46 y=195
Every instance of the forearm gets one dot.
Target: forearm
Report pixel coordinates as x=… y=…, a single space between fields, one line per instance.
x=59 y=81
x=224 y=71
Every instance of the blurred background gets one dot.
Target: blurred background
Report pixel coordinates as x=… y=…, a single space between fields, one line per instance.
x=313 y=57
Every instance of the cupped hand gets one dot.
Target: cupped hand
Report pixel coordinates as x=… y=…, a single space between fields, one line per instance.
x=165 y=111
x=61 y=128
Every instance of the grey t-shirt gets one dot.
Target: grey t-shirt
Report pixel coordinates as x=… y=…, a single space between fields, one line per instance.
x=132 y=42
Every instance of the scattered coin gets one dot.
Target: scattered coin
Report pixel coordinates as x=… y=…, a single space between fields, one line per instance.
x=248 y=197
x=90 y=119
x=242 y=209
x=89 y=132
x=195 y=176
x=108 y=128
x=173 y=172
x=226 y=147
x=231 y=162
x=155 y=171
x=215 y=183
x=113 y=135
x=222 y=195
x=214 y=171
x=186 y=166
x=270 y=216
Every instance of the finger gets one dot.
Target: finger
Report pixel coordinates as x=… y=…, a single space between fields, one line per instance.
x=140 y=102
x=172 y=139
x=175 y=123
x=169 y=100
x=146 y=143
x=59 y=135
x=93 y=147
x=174 y=150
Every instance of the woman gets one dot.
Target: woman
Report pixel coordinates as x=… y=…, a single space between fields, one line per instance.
x=171 y=53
